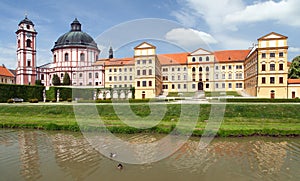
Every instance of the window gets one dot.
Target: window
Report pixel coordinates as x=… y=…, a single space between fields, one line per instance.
x=173 y=77
x=130 y=69
x=207 y=76
x=207 y=86
x=28 y=43
x=184 y=77
x=217 y=85
x=138 y=83
x=272 y=67
x=115 y=78
x=90 y=75
x=207 y=59
x=200 y=77
x=194 y=69
x=194 y=77
x=110 y=70
x=165 y=86
x=96 y=75
x=193 y=59
x=144 y=83
x=165 y=77
x=239 y=85
x=229 y=76
x=173 y=69
x=165 y=69
x=178 y=69
x=178 y=77
x=263 y=67
x=125 y=69
x=280 y=80
x=150 y=61
x=229 y=67
x=272 y=80
x=223 y=76
x=272 y=55
x=144 y=61
x=28 y=63
x=173 y=86
x=138 y=72
x=217 y=76
x=110 y=78
x=238 y=76
x=263 y=80
x=61 y=75
x=178 y=86
x=184 y=86
x=115 y=70
x=74 y=75
x=144 y=72
x=239 y=67
x=18 y=43
x=263 y=55
x=125 y=78
x=130 y=77
x=54 y=58
x=217 y=67
x=42 y=77
x=66 y=57
x=184 y=69
x=207 y=69
x=82 y=57
x=200 y=59
x=280 y=54
x=223 y=67
x=120 y=70
x=193 y=86
x=200 y=69
x=150 y=71
x=223 y=85
x=138 y=61
x=229 y=85
x=281 y=66
x=120 y=78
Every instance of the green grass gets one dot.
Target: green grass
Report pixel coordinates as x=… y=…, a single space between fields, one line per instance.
x=218 y=94
x=239 y=120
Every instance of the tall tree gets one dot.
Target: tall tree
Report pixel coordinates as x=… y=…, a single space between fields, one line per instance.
x=55 y=80
x=66 y=80
x=294 y=71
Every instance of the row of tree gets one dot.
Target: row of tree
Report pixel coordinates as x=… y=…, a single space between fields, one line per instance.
x=294 y=71
x=66 y=80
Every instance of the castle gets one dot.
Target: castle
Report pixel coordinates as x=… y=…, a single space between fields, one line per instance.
x=259 y=72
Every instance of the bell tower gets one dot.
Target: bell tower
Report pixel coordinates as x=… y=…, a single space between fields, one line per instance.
x=26 y=53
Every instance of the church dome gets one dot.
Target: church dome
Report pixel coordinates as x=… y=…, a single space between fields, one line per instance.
x=75 y=37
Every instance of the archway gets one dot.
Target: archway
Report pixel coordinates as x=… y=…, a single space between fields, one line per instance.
x=200 y=86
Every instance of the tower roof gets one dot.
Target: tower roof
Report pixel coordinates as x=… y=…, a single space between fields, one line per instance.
x=26 y=21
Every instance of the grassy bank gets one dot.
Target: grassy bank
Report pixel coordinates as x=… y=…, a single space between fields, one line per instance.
x=239 y=120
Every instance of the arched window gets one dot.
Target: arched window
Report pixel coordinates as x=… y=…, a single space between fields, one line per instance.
x=194 y=59
x=207 y=58
x=193 y=69
x=28 y=43
x=200 y=59
x=207 y=69
x=82 y=57
x=96 y=75
x=54 y=58
x=200 y=69
x=66 y=57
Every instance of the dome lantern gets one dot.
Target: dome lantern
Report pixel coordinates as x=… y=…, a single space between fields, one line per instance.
x=75 y=25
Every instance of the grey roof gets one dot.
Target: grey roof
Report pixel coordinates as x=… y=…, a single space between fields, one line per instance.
x=75 y=37
x=26 y=21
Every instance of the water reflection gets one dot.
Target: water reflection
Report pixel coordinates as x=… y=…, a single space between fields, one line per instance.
x=39 y=155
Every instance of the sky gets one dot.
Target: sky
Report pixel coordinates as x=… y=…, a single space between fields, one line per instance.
x=171 y=25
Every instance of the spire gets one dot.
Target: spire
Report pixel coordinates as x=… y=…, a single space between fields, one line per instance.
x=111 y=53
x=75 y=25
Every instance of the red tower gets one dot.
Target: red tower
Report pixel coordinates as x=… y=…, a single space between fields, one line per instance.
x=26 y=53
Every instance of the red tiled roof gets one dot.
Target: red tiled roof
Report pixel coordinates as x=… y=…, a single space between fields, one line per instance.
x=175 y=58
x=289 y=64
x=294 y=81
x=5 y=72
x=231 y=55
x=119 y=61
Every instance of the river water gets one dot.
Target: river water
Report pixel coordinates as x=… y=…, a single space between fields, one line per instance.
x=49 y=155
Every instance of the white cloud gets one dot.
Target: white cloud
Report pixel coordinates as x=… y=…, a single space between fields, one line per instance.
x=189 y=38
x=294 y=50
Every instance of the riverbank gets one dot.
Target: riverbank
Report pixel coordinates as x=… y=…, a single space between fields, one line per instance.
x=239 y=120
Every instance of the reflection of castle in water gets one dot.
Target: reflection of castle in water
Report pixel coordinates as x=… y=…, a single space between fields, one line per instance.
x=29 y=156
x=73 y=154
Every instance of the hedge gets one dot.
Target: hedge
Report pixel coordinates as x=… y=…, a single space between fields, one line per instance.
x=259 y=100
x=25 y=92
x=66 y=93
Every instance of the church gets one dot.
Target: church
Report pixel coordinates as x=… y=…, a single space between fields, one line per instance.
x=258 y=72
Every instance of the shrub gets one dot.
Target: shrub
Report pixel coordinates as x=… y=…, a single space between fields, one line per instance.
x=69 y=99
x=53 y=100
x=10 y=101
x=33 y=100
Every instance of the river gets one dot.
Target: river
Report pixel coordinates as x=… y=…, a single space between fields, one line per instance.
x=50 y=155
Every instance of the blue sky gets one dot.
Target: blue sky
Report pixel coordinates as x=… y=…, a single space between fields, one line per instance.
x=187 y=24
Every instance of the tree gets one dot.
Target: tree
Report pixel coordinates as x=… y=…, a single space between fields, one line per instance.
x=38 y=82
x=55 y=80
x=66 y=80
x=294 y=71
